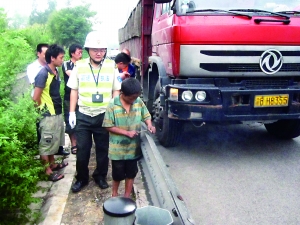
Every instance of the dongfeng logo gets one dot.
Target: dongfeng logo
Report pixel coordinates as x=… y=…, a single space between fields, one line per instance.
x=271 y=61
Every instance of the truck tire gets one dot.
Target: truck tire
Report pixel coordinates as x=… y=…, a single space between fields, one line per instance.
x=285 y=129
x=168 y=131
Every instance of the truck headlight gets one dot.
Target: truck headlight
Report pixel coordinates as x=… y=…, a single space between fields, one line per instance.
x=187 y=96
x=200 y=96
x=174 y=94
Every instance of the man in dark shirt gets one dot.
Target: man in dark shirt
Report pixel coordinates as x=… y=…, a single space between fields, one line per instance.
x=75 y=53
x=49 y=103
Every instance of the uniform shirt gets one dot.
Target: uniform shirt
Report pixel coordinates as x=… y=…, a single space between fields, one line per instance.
x=83 y=80
x=50 y=99
x=32 y=70
x=130 y=69
x=122 y=147
x=67 y=65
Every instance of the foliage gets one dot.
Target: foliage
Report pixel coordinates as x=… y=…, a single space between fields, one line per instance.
x=71 y=25
x=3 y=20
x=85 y=54
x=35 y=34
x=62 y=81
x=41 y=17
x=21 y=172
x=19 y=21
x=15 y=54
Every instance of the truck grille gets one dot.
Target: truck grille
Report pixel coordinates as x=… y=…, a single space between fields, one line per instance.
x=238 y=61
x=246 y=67
x=266 y=83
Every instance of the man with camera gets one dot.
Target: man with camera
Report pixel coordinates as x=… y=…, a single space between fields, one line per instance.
x=93 y=82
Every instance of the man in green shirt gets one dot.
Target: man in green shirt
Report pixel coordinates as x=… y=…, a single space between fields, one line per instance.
x=122 y=119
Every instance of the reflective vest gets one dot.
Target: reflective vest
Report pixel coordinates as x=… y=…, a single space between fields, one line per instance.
x=87 y=85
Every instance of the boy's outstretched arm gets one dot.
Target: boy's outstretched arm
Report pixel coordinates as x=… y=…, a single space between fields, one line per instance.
x=117 y=130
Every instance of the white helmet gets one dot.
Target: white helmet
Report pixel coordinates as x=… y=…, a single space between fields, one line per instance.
x=94 y=39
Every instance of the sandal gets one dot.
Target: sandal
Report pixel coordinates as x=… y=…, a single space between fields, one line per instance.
x=74 y=150
x=59 y=166
x=55 y=177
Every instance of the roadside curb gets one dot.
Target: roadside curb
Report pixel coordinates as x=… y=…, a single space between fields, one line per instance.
x=56 y=198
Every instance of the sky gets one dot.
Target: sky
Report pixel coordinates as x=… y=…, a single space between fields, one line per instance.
x=112 y=13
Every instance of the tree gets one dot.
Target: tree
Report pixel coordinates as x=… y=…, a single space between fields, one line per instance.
x=41 y=17
x=18 y=21
x=16 y=54
x=35 y=34
x=3 y=20
x=71 y=25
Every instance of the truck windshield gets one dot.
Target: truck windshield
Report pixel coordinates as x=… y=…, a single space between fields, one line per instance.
x=196 y=7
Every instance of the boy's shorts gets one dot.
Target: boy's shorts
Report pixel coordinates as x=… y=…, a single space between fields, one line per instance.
x=52 y=133
x=122 y=169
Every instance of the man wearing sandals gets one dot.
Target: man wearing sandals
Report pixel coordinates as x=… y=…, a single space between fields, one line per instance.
x=49 y=103
x=75 y=53
x=93 y=82
x=32 y=71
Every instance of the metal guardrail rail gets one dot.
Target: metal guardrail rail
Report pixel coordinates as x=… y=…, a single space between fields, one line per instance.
x=167 y=194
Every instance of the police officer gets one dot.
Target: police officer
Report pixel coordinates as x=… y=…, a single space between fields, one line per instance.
x=93 y=82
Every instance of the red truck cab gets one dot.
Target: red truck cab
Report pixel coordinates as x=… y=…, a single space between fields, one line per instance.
x=228 y=61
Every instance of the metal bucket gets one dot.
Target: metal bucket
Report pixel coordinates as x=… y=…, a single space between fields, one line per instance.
x=119 y=211
x=151 y=215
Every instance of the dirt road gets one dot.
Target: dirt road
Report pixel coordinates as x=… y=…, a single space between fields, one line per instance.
x=85 y=207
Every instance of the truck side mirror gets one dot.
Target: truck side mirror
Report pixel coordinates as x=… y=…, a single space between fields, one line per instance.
x=191 y=5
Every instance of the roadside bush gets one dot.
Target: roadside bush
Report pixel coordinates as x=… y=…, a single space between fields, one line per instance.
x=20 y=171
x=36 y=34
x=15 y=55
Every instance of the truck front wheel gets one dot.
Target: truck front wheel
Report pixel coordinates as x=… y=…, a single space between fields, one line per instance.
x=168 y=131
x=285 y=129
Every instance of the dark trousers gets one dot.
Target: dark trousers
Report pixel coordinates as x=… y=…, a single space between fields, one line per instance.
x=38 y=131
x=87 y=128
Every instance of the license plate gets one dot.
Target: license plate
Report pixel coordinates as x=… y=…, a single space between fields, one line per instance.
x=271 y=100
